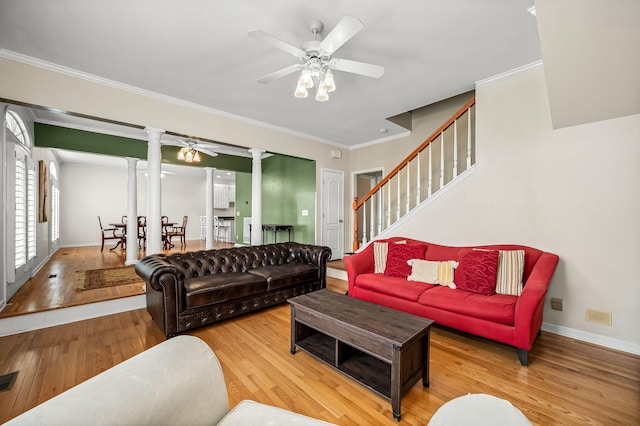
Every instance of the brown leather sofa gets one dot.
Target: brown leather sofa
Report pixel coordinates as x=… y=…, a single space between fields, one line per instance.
x=188 y=290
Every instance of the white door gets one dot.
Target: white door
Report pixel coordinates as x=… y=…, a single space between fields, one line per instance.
x=333 y=212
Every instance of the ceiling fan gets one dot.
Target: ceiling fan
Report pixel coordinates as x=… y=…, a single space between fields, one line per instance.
x=191 y=149
x=316 y=58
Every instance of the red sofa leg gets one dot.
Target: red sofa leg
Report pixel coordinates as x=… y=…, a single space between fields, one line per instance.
x=523 y=356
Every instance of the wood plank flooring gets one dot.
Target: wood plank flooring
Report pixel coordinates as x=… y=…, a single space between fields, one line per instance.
x=568 y=382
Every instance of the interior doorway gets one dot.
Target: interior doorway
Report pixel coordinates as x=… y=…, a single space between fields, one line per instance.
x=364 y=181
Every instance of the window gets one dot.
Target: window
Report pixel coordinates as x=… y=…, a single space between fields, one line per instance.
x=20 y=213
x=14 y=124
x=55 y=203
x=24 y=192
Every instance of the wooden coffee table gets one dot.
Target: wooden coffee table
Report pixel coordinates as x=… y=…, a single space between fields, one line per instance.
x=384 y=349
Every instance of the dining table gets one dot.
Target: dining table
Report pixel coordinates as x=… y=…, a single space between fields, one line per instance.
x=122 y=229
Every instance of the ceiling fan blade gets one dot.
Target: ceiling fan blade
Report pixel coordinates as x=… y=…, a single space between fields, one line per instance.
x=280 y=73
x=277 y=43
x=341 y=33
x=362 y=68
x=207 y=152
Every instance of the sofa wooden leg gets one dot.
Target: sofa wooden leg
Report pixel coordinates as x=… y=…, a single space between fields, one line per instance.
x=523 y=356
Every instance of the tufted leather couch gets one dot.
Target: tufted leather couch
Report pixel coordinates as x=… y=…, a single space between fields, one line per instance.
x=188 y=290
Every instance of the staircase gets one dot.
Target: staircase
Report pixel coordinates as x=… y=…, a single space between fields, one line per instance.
x=442 y=160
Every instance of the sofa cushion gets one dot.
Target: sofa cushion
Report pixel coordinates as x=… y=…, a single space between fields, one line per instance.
x=380 y=251
x=510 y=271
x=498 y=308
x=249 y=412
x=398 y=256
x=433 y=272
x=217 y=288
x=393 y=286
x=478 y=270
x=278 y=276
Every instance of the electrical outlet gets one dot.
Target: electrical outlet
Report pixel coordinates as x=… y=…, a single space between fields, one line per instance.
x=556 y=303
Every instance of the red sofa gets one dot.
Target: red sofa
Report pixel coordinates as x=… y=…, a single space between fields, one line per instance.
x=510 y=319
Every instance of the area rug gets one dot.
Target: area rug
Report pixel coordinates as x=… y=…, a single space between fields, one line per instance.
x=100 y=278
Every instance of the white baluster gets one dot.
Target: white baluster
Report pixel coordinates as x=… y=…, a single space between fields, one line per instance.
x=408 y=188
x=388 y=185
x=430 y=187
x=372 y=222
x=455 y=149
x=441 y=160
x=418 y=178
x=380 y=210
x=398 y=197
x=468 y=138
x=364 y=223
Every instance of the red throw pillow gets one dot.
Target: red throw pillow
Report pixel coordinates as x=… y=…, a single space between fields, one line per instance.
x=478 y=271
x=398 y=255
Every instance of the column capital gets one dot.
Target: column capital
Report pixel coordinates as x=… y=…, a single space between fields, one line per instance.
x=154 y=134
x=257 y=153
x=131 y=160
x=210 y=170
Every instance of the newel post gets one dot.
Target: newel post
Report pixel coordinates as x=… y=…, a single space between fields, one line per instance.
x=356 y=244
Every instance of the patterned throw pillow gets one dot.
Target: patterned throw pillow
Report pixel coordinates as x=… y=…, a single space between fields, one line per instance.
x=478 y=271
x=510 y=271
x=433 y=272
x=380 y=250
x=397 y=257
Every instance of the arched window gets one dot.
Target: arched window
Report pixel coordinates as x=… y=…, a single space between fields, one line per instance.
x=14 y=124
x=24 y=193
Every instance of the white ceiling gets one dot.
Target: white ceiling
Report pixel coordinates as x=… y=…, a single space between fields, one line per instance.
x=199 y=51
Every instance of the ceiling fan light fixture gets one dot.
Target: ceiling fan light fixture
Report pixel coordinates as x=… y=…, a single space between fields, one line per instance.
x=196 y=157
x=181 y=154
x=328 y=81
x=301 y=91
x=306 y=79
x=321 y=94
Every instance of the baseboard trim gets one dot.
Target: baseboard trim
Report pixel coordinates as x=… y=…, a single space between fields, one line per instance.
x=596 y=339
x=337 y=273
x=51 y=318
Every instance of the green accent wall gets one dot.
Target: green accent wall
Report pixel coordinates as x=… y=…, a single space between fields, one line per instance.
x=288 y=188
x=243 y=203
x=49 y=136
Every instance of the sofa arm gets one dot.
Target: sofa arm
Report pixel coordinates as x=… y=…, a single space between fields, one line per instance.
x=152 y=267
x=313 y=255
x=530 y=304
x=359 y=263
x=179 y=381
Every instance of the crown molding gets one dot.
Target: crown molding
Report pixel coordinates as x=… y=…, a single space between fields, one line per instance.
x=496 y=77
x=50 y=66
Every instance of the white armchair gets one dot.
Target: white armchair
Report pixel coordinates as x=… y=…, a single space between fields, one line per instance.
x=178 y=381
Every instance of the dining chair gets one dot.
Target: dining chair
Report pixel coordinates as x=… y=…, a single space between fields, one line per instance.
x=179 y=231
x=108 y=234
x=142 y=232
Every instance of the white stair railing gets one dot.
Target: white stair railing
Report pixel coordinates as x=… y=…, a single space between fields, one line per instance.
x=402 y=189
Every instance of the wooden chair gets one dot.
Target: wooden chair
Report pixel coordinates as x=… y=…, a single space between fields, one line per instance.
x=142 y=232
x=179 y=231
x=109 y=234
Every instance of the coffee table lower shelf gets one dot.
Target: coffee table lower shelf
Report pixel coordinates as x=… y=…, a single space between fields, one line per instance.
x=366 y=369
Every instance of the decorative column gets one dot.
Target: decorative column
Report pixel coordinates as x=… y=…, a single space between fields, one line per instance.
x=132 y=212
x=210 y=242
x=256 y=196
x=154 y=192
x=5 y=264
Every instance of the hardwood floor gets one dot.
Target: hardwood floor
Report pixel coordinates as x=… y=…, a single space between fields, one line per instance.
x=567 y=382
x=54 y=286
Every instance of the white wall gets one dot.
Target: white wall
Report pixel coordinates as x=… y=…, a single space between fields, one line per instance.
x=574 y=192
x=86 y=192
